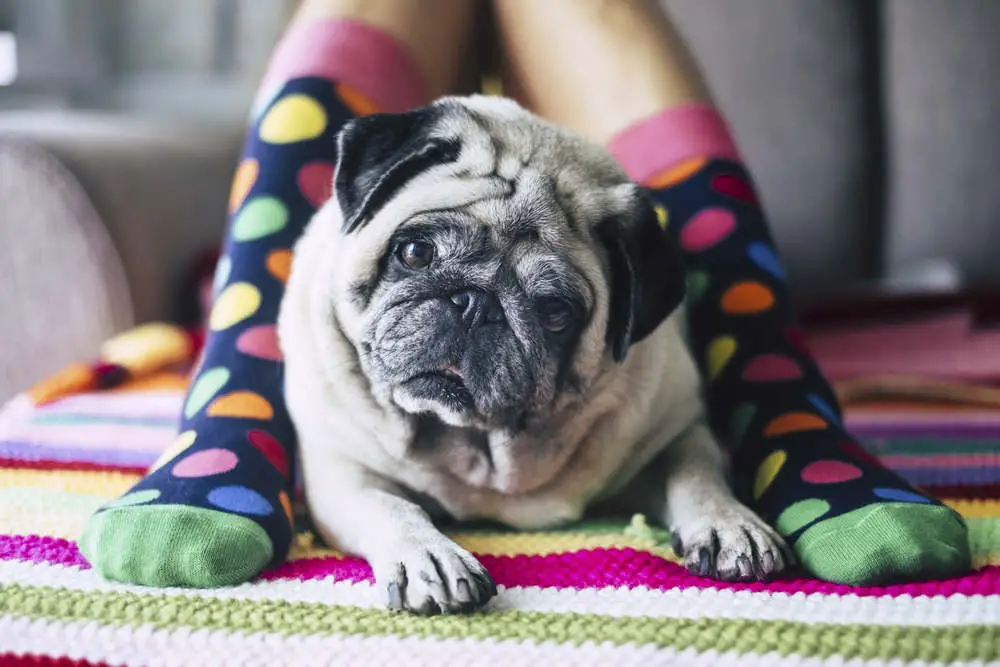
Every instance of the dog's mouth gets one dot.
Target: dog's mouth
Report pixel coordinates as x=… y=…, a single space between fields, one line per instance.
x=445 y=385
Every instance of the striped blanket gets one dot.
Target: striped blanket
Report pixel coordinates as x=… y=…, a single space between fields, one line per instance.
x=592 y=594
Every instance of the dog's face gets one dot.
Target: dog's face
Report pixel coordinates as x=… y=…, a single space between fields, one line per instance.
x=487 y=266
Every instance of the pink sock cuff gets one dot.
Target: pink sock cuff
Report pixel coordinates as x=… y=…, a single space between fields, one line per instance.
x=659 y=142
x=366 y=59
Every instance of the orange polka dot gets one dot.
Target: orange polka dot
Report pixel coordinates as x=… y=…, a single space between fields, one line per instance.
x=355 y=101
x=676 y=173
x=286 y=504
x=241 y=405
x=279 y=264
x=246 y=175
x=747 y=298
x=793 y=422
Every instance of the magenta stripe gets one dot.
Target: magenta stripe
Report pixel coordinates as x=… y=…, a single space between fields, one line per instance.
x=596 y=568
x=615 y=568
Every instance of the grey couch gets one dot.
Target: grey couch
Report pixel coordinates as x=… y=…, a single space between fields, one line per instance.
x=872 y=129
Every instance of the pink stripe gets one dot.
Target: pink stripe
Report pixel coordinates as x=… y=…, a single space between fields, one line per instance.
x=364 y=58
x=597 y=568
x=941 y=461
x=671 y=136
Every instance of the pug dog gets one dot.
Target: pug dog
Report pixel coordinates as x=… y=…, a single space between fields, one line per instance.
x=483 y=323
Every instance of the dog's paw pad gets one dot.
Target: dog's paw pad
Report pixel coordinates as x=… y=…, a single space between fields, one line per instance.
x=435 y=578
x=732 y=545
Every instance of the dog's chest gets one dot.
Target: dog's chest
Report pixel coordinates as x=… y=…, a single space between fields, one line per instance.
x=454 y=473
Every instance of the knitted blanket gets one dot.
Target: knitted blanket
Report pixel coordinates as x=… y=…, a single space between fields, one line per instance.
x=592 y=594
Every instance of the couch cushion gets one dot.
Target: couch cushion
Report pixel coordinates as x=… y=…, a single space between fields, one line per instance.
x=64 y=290
x=795 y=81
x=942 y=83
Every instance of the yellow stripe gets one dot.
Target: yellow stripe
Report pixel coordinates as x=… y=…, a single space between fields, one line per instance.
x=107 y=484
x=975 y=508
x=512 y=544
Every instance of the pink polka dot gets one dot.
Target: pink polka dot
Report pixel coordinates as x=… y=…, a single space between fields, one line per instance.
x=829 y=472
x=206 y=462
x=261 y=342
x=271 y=449
x=735 y=187
x=315 y=180
x=707 y=228
x=771 y=368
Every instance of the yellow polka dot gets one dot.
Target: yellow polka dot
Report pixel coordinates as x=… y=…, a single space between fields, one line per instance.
x=720 y=351
x=355 y=101
x=148 y=348
x=246 y=175
x=236 y=303
x=767 y=471
x=747 y=298
x=676 y=173
x=241 y=405
x=182 y=442
x=793 y=422
x=293 y=118
x=662 y=216
x=286 y=505
x=279 y=264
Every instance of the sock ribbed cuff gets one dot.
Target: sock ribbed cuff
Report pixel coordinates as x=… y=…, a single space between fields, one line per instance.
x=661 y=141
x=367 y=59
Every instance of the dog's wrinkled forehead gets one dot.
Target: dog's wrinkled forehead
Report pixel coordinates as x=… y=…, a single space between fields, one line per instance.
x=469 y=151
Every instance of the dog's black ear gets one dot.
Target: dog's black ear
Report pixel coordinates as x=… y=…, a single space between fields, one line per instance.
x=647 y=276
x=378 y=154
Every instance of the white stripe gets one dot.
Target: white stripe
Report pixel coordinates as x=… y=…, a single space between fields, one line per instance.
x=689 y=603
x=157 y=403
x=183 y=648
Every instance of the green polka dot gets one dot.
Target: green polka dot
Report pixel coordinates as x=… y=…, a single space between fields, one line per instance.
x=801 y=514
x=697 y=285
x=137 y=498
x=260 y=217
x=205 y=387
x=742 y=416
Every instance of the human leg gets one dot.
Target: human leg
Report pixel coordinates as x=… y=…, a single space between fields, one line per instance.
x=617 y=71
x=216 y=508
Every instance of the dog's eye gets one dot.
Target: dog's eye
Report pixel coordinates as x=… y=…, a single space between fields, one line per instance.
x=556 y=315
x=415 y=254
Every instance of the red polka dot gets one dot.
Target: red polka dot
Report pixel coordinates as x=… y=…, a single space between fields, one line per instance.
x=858 y=453
x=707 y=228
x=798 y=340
x=271 y=449
x=771 y=368
x=829 y=472
x=315 y=181
x=735 y=187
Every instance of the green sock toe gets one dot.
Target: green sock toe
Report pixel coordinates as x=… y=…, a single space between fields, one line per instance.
x=175 y=545
x=887 y=542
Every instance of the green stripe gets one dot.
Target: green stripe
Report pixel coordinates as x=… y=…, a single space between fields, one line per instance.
x=934 y=445
x=68 y=419
x=867 y=642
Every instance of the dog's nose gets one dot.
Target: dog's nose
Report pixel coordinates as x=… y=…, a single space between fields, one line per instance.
x=478 y=307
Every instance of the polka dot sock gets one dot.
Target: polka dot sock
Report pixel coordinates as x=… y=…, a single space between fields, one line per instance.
x=849 y=519
x=216 y=508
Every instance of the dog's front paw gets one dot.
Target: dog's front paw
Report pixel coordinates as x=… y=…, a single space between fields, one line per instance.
x=433 y=576
x=731 y=543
